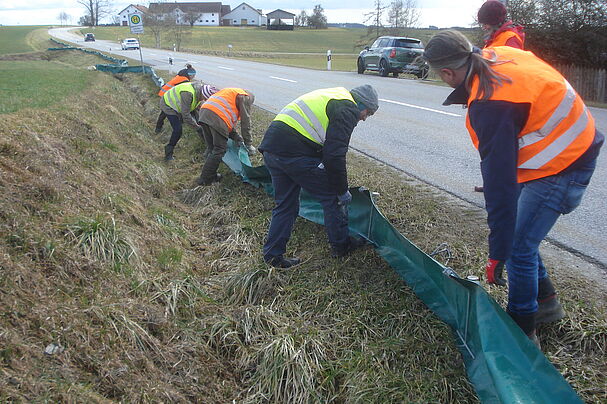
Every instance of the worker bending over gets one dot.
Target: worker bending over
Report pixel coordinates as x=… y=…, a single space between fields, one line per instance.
x=218 y=117
x=182 y=76
x=305 y=147
x=538 y=146
x=178 y=104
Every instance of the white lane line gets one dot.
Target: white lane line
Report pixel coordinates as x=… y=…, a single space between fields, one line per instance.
x=418 y=107
x=225 y=68
x=280 y=78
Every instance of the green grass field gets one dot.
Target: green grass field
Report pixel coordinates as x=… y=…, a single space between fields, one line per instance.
x=259 y=39
x=35 y=92
x=18 y=39
x=300 y=48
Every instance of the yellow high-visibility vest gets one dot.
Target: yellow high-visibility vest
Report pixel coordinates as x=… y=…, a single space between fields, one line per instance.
x=308 y=113
x=172 y=98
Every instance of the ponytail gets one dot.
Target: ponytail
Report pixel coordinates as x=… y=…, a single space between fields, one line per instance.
x=488 y=79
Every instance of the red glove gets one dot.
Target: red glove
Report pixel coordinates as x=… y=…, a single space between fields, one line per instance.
x=493 y=270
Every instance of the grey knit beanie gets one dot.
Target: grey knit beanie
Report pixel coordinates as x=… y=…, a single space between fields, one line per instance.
x=366 y=95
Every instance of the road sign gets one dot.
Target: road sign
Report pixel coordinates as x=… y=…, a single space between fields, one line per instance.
x=136 y=23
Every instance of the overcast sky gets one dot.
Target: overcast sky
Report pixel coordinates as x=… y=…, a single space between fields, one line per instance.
x=442 y=13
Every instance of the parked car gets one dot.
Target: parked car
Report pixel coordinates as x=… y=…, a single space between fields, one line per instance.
x=89 y=37
x=393 y=54
x=129 y=43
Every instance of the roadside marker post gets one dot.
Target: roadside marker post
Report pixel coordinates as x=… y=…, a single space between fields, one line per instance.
x=329 y=60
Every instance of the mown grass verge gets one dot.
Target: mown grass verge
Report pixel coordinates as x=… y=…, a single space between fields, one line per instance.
x=157 y=292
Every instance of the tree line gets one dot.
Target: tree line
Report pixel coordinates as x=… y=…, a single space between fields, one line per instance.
x=564 y=31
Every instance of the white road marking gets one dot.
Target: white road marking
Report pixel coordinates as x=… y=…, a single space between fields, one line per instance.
x=418 y=107
x=225 y=68
x=280 y=78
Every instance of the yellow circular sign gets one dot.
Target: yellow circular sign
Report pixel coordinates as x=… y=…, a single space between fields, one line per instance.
x=135 y=19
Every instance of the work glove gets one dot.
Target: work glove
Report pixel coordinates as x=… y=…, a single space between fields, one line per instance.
x=251 y=150
x=343 y=201
x=494 y=270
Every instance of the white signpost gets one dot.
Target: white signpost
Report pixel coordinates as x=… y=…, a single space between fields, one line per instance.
x=136 y=25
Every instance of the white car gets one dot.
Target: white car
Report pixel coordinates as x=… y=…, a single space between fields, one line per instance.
x=129 y=43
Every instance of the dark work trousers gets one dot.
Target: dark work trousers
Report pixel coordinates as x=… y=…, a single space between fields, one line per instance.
x=160 y=121
x=216 y=144
x=289 y=176
x=176 y=124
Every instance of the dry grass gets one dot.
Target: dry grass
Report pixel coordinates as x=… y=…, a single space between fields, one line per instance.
x=198 y=316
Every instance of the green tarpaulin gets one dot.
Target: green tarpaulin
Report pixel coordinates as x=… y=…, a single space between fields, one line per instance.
x=501 y=362
x=117 y=66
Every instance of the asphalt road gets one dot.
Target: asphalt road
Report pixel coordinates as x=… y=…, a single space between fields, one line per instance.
x=412 y=131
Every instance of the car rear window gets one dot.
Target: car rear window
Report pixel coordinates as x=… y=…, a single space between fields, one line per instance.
x=408 y=43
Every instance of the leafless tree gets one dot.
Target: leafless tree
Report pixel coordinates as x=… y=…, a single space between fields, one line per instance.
x=374 y=19
x=96 y=9
x=403 y=14
x=64 y=18
x=301 y=20
x=318 y=19
x=158 y=25
x=179 y=32
x=191 y=17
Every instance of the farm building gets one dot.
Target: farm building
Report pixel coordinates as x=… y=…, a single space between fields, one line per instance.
x=244 y=15
x=281 y=20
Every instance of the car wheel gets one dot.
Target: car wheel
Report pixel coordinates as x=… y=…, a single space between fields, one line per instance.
x=423 y=73
x=383 y=68
x=361 y=66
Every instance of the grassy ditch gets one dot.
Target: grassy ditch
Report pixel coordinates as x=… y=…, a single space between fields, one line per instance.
x=152 y=289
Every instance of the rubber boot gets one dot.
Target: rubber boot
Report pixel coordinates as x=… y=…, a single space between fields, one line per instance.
x=209 y=170
x=549 y=308
x=527 y=323
x=168 y=152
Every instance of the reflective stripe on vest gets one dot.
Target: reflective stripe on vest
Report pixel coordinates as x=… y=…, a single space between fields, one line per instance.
x=172 y=98
x=308 y=113
x=559 y=128
x=172 y=83
x=223 y=104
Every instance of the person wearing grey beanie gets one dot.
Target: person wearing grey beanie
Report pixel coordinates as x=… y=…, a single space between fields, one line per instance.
x=305 y=147
x=365 y=97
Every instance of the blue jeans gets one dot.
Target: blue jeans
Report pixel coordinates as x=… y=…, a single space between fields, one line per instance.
x=289 y=176
x=175 y=121
x=540 y=204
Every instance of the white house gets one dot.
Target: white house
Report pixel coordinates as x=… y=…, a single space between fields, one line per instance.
x=191 y=13
x=123 y=16
x=244 y=14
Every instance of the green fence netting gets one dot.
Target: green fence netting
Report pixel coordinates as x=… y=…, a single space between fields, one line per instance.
x=117 y=66
x=501 y=362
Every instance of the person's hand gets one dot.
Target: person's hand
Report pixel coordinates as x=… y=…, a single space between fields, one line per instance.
x=345 y=198
x=493 y=271
x=251 y=150
x=343 y=201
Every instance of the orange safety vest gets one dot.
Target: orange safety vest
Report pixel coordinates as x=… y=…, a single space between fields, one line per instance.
x=172 y=83
x=559 y=128
x=502 y=37
x=223 y=103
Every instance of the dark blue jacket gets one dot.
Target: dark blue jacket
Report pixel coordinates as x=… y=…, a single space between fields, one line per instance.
x=497 y=125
